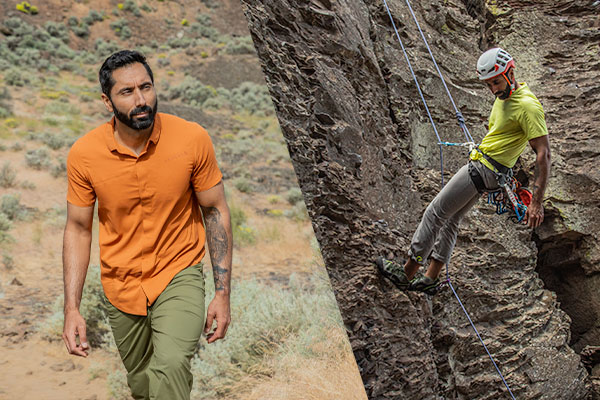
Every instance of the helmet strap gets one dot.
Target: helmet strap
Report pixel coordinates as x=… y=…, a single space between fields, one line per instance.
x=510 y=88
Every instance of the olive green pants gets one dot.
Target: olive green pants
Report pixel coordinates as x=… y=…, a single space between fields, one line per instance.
x=157 y=349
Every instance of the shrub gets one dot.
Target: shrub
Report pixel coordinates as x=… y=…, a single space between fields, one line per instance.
x=270 y=322
x=8 y=261
x=27 y=185
x=105 y=49
x=211 y=3
x=275 y=212
x=243 y=185
x=181 y=43
x=17 y=146
x=4 y=94
x=38 y=158
x=11 y=122
x=57 y=30
x=242 y=233
x=203 y=28
x=5 y=103
x=92 y=309
x=93 y=17
x=131 y=6
x=294 y=195
x=251 y=97
x=5 y=226
x=192 y=91
x=51 y=140
x=273 y=199
x=82 y=30
x=298 y=212
x=8 y=176
x=16 y=77
x=10 y=205
x=121 y=29
x=4 y=113
x=60 y=168
x=72 y=21
x=240 y=45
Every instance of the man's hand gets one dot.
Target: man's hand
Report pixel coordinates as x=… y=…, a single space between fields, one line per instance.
x=218 y=310
x=534 y=216
x=75 y=326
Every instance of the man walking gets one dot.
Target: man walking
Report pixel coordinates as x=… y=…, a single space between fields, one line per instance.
x=517 y=118
x=160 y=195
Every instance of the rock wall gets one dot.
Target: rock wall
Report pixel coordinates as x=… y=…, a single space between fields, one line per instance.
x=368 y=164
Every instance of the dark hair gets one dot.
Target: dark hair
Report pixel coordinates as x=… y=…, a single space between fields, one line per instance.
x=118 y=60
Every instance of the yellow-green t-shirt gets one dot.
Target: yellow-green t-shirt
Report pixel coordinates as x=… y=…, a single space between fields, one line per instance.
x=513 y=122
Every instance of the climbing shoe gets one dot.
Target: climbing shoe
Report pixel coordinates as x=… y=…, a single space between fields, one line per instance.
x=394 y=272
x=425 y=284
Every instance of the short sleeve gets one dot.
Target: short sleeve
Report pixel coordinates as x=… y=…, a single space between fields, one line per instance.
x=79 y=190
x=533 y=121
x=206 y=172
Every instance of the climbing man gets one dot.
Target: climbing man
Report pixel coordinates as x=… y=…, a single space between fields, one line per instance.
x=160 y=195
x=517 y=117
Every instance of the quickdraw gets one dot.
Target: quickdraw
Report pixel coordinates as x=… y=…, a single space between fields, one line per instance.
x=511 y=197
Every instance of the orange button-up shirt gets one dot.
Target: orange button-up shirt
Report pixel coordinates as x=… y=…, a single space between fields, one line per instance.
x=150 y=222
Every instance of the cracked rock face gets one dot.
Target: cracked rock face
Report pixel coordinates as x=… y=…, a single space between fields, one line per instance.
x=368 y=163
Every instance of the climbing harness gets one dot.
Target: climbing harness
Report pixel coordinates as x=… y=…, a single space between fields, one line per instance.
x=510 y=197
x=469 y=143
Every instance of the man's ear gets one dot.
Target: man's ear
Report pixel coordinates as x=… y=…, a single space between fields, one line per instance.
x=107 y=102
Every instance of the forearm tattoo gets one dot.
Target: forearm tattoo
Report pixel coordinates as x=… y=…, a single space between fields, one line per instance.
x=218 y=244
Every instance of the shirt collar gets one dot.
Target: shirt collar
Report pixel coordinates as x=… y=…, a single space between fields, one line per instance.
x=112 y=144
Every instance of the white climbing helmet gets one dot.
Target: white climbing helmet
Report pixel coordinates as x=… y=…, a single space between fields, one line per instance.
x=494 y=62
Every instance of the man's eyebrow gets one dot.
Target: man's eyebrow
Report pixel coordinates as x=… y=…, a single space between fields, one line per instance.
x=144 y=83
x=124 y=88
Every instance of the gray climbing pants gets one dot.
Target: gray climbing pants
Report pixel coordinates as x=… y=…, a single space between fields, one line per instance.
x=436 y=234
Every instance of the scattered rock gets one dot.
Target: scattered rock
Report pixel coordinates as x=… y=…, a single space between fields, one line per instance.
x=5 y=30
x=65 y=366
x=16 y=282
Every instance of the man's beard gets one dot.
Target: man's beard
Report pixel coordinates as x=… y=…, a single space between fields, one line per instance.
x=138 y=124
x=503 y=94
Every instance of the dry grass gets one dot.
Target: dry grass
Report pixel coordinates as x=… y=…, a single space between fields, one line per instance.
x=332 y=376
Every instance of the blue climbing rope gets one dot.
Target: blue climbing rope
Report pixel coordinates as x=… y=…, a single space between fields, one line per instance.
x=469 y=142
x=420 y=93
x=480 y=339
x=459 y=116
